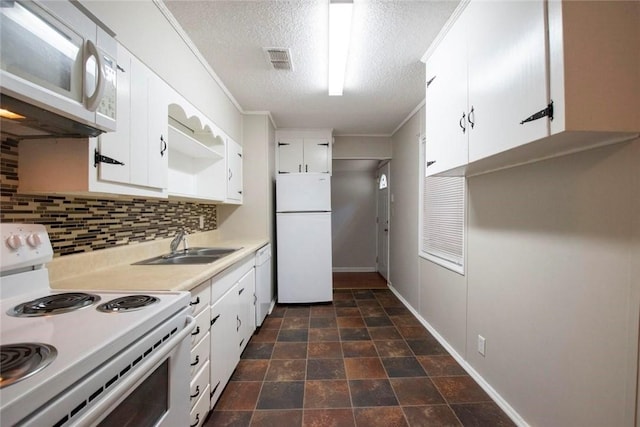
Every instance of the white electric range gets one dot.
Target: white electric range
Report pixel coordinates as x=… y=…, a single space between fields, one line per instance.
x=86 y=358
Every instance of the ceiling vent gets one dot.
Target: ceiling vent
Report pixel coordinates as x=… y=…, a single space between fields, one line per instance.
x=279 y=58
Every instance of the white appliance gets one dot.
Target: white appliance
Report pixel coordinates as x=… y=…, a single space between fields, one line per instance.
x=58 y=70
x=100 y=358
x=303 y=229
x=264 y=284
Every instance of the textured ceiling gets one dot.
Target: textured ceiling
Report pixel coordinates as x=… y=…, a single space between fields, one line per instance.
x=384 y=80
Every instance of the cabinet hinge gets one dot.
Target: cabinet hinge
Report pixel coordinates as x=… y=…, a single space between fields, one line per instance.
x=547 y=112
x=326 y=144
x=99 y=158
x=283 y=172
x=282 y=143
x=431 y=80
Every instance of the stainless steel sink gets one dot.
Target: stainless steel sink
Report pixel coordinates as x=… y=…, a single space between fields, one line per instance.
x=190 y=256
x=211 y=251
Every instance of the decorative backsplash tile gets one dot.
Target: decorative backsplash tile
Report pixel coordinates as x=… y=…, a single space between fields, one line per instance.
x=79 y=224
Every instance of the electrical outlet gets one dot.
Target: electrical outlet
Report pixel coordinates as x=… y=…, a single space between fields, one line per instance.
x=201 y=222
x=482 y=343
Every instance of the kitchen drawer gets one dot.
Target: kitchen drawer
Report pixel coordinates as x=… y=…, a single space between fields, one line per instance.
x=224 y=281
x=202 y=327
x=200 y=409
x=200 y=297
x=200 y=354
x=199 y=384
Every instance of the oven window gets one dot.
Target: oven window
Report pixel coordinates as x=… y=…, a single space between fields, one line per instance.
x=146 y=405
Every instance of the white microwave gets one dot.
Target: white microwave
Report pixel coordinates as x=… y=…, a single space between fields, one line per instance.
x=58 y=69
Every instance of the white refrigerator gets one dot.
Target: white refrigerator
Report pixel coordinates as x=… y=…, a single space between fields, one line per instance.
x=303 y=233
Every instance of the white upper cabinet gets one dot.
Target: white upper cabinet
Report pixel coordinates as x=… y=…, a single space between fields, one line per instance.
x=446 y=103
x=234 y=173
x=130 y=161
x=507 y=75
x=303 y=151
x=542 y=79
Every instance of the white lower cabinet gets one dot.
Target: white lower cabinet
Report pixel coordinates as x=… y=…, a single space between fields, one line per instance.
x=200 y=409
x=232 y=322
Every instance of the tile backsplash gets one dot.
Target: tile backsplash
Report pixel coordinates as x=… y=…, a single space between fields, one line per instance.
x=83 y=224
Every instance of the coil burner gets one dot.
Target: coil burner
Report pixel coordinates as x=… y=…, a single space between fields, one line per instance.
x=128 y=303
x=20 y=361
x=54 y=304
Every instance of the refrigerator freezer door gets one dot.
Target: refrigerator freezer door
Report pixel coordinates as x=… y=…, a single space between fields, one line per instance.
x=303 y=192
x=304 y=257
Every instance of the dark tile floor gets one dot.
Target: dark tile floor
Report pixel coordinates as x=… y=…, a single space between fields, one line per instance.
x=363 y=360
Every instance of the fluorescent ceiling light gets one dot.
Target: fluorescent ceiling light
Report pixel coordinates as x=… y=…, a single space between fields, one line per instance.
x=339 y=35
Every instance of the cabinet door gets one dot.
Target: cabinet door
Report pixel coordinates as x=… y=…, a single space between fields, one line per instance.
x=117 y=144
x=316 y=155
x=290 y=155
x=157 y=148
x=246 y=308
x=446 y=126
x=139 y=123
x=234 y=173
x=507 y=74
x=224 y=347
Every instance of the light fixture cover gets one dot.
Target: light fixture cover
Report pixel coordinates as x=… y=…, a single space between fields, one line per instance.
x=339 y=36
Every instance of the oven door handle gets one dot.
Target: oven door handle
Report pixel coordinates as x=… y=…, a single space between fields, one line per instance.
x=136 y=375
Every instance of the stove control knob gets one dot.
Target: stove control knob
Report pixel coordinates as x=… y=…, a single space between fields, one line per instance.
x=34 y=240
x=14 y=241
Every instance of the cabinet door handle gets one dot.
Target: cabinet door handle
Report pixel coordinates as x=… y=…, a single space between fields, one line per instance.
x=214 y=390
x=306 y=168
x=241 y=342
x=238 y=323
x=215 y=319
x=472 y=117
x=461 y=123
x=163 y=146
x=230 y=174
x=240 y=291
x=196 y=332
x=193 y=396
x=299 y=168
x=197 y=421
x=255 y=299
x=196 y=361
x=196 y=302
x=430 y=162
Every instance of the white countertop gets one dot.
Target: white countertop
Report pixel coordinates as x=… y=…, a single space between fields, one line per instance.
x=112 y=269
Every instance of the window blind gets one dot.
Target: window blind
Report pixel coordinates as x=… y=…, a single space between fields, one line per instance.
x=443 y=218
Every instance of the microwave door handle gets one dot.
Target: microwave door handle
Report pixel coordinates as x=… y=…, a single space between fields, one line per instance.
x=94 y=100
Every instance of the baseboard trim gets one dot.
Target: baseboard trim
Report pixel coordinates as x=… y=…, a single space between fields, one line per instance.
x=500 y=401
x=354 y=269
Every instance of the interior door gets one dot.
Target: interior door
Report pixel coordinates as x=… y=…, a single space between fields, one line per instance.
x=383 y=220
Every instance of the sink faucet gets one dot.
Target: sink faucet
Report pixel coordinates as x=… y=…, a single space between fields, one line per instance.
x=180 y=237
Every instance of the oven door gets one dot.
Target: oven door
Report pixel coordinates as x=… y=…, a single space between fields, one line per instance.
x=147 y=385
x=159 y=398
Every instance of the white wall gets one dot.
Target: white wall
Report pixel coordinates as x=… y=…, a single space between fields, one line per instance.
x=353 y=217
x=549 y=261
x=161 y=48
x=361 y=147
x=551 y=283
x=403 y=185
x=255 y=217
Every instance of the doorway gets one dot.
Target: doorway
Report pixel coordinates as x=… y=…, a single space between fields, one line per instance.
x=383 y=220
